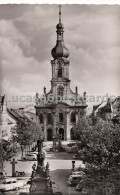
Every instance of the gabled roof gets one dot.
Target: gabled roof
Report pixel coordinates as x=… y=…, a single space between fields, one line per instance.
x=17 y=115
x=13 y=114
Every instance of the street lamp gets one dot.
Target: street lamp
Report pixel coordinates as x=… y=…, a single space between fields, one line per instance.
x=73 y=165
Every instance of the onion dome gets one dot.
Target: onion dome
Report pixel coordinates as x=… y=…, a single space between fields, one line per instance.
x=59 y=26
x=60 y=49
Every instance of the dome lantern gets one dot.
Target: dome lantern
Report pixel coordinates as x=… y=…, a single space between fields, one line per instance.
x=60 y=49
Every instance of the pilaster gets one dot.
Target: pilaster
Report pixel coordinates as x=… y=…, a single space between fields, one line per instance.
x=45 y=127
x=54 y=122
x=67 y=125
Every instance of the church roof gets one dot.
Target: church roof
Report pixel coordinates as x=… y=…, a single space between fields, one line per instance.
x=60 y=50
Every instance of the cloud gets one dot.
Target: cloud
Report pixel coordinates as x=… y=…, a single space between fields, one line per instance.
x=91 y=34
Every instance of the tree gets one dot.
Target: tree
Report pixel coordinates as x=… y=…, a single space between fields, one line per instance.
x=100 y=149
x=27 y=131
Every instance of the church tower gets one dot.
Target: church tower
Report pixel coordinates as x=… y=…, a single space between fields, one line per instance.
x=62 y=114
x=60 y=83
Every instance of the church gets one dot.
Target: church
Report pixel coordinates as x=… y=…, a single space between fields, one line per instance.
x=59 y=110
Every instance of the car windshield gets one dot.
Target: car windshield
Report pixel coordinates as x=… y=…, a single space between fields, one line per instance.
x=74 y=178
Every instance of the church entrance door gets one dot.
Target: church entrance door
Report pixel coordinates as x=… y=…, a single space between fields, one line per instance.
x=61 y=132
x=49 y=135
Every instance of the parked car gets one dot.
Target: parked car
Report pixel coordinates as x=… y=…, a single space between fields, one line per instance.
x=78 y=173
x=19 y=173
x=74 y=179
x=30 y=157
x=36 y=152
x=33 y=153
x=10 y=184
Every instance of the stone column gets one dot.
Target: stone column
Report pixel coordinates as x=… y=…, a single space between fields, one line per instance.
x=67 y=125
x=54 y=123
x=45 y=126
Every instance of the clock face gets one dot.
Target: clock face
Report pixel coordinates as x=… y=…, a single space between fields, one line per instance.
x=60 y=62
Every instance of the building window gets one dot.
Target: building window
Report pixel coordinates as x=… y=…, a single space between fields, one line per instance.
x=49 y=118
x=73 y=117
x=41 y=118
x=61 y=117
x=60 y=71
x=60 y=90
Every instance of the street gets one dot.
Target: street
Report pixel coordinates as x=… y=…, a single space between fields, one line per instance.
x=60 y=167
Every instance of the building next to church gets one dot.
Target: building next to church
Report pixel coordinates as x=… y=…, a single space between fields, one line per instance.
x=3 y=117
x=109 y=110
x=59 y=110
x=10 y=117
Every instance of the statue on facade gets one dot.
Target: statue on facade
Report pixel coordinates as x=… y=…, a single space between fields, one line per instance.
x=44 y=90
x=84 y=96
x=37 y=98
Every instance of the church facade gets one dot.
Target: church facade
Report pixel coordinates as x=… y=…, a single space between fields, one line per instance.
x=59 y=110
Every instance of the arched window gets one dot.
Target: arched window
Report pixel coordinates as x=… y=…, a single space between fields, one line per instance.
x=60 y=90
x=61 y=117
x=49 y=118
x=60 y=71
x=41 y=118
x=73 y=117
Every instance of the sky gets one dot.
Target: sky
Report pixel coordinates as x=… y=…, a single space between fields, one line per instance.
x=28 y=34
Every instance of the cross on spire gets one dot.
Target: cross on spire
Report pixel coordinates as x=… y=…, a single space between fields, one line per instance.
x=59 y=13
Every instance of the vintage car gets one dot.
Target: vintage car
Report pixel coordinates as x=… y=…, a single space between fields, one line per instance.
x=10 y=184
x=30 y=156
x=73 y=180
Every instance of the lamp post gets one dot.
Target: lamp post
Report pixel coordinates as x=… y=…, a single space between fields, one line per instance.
x=13 y=162
x=73 y=165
